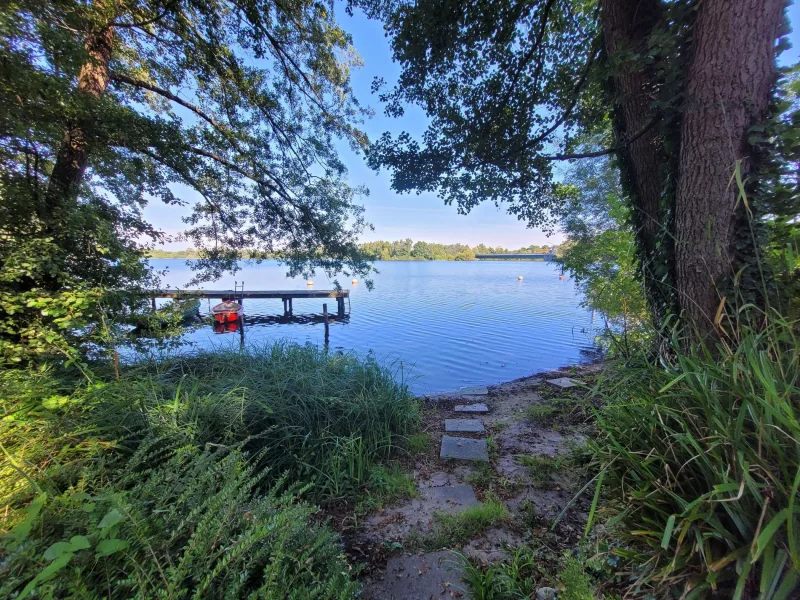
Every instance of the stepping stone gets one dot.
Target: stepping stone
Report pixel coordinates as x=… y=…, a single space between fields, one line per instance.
x=464 y=449
x=564 y=382
x=432 y=576
x=463 y=425
x=480 y=390
x=472 y=408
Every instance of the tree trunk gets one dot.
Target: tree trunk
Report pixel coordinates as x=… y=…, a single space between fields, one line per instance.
x=730 y=79
x=73 y=156
x=627 y=25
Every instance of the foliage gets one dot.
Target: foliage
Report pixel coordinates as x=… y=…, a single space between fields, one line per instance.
x=600 y=252
x=510 y=88
x=703 y=453
x=452 y=529
x=409 y=250
x=175 y=522
x=190 y=476
x=519 y=577
x=232 y=107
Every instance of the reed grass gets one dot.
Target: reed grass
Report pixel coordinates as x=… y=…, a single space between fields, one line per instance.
x=703 y=453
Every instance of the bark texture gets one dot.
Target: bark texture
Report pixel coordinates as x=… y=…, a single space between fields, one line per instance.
x=627 y=25
x=73 y=155
x=730 y=79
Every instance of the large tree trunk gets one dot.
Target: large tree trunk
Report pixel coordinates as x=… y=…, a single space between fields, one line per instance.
x=729 y=84
x=73 y=156
x=627 y=25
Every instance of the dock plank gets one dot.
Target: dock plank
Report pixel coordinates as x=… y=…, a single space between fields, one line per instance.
x=250 y=293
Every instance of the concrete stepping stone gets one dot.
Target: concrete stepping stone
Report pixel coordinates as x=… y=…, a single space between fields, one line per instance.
x=464 y=449
x=472 y=408
x=463 y=426
x=435 y=576
x=564 y=382
x=480 y=390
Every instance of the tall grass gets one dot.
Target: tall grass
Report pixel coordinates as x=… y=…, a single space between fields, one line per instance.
x=323 y=418
x=703 y=456
x=192 y=476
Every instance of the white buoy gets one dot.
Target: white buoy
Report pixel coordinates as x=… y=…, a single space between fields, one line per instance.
x=309 y=282
x=519 y=277
x=355 y=281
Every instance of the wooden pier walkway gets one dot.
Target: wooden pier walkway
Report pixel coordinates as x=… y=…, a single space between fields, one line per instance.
x=286 y=295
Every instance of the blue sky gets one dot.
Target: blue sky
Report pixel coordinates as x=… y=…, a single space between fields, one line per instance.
x=396 y=216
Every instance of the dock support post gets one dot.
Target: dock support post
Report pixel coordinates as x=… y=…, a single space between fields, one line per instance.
x=340 y=306
x=291 y=306
x=285 y=306
x=325 y=319
x=154 y=303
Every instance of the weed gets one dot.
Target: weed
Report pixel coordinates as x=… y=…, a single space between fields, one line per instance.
x=385 y=486
x=704 y=457
x=418 y=443
x=456 y=529
x=577 y=585
x=540 y=413
x=543 y=467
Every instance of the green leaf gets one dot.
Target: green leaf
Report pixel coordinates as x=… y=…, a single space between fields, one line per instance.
x=57 y=549
x=21 y=531
x=668 y=532
x=112 y=518
x=764 y=538
x=80 y=542
x=108 y=547
x=48 y=572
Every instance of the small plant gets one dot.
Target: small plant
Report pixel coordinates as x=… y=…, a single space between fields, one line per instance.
x=577 y=585
x=418 y=443
x=456 y=529
x=541 y=413
x=385 y=486
x=543 y=467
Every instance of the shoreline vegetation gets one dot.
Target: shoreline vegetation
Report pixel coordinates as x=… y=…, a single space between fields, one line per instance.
x=401 y=250
x=312 y=472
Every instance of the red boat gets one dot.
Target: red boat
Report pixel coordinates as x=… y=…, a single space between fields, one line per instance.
x=227 y=311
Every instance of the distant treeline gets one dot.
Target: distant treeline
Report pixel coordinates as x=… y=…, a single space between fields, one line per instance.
x=406 y=249
x=409 y=250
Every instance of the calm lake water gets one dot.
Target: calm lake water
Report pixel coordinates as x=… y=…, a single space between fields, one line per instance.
x=442 y=325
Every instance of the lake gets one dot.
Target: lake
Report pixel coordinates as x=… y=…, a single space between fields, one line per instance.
x=442 y=325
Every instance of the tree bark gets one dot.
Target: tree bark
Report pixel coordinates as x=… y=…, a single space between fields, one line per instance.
x=730 y=79
x=73 y=155
x=627 y=25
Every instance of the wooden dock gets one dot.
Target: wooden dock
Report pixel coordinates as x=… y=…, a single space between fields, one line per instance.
x=286 y=295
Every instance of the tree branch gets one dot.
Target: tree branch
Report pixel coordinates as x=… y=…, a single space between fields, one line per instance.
x=120 y=78
x=606 y=151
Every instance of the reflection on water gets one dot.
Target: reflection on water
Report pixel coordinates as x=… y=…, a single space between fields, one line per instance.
x=442 y=325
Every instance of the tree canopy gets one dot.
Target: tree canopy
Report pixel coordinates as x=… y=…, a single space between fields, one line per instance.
x=511 y=87
x=230 y=107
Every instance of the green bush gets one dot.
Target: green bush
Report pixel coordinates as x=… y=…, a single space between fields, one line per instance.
x=190 y=476
x=325 y=419
x=188 y=523
x=703 y=454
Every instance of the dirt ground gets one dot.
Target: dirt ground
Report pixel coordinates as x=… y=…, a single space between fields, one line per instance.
x=533 y=431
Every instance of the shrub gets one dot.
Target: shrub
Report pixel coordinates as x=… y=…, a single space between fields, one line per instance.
x=325 y=419
x=704 y=456
x=186 y=524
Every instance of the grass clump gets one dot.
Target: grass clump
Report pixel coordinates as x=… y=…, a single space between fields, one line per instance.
x=194 y=476
x=541 y=413
x=325 y=419
x=386 y=485
x=705 y=457
x=543 y=467
x=456 y=529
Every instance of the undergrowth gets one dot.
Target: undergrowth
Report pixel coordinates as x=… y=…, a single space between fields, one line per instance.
x=194 y=476
x=700 y=457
